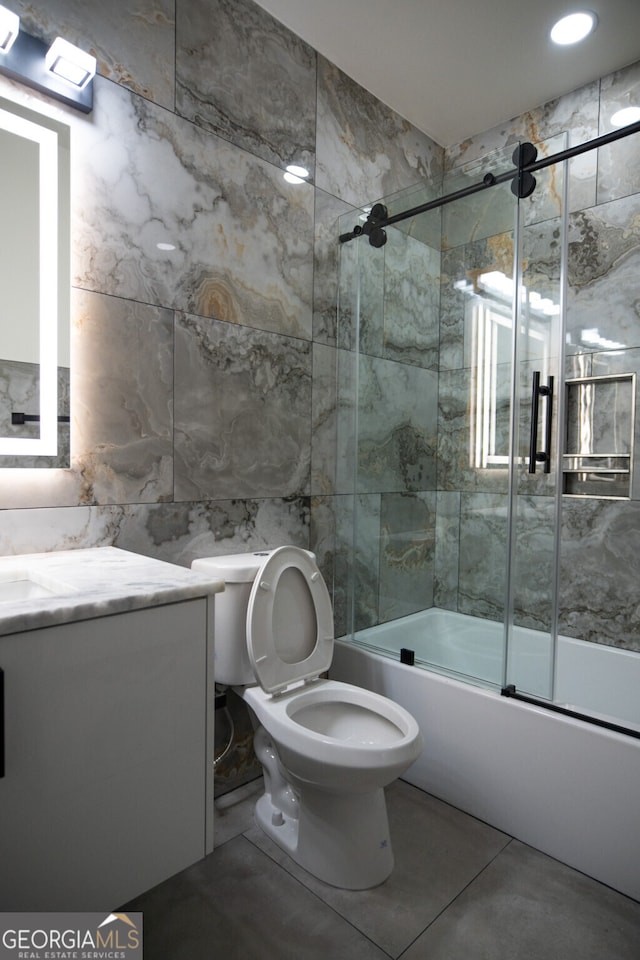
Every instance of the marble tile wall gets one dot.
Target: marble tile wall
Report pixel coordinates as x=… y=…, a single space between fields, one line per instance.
x=205 y=374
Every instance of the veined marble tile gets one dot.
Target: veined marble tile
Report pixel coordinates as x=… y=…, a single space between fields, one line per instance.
x=407 y=548
x=33 y=487
x=332 y=523
x=462 y=268
x=365 y=558
x=322 y=536
x=489 y=212
x=346 y=421
x=362 y=268
x=242 y=412
x=447 y=550
x=397 y=424
x=324 y=437
x=241 y=237
x=364 y=149
x=603 y=308
x=533 y=562
x=483 y=555
x=243 y=75
x=619 y=162
x=391 y=298
x=464 y=438
x=425 y=226
x=327 y=256
x=134 y=44
x=40 y=530
x=175 y=532
x=599 y=571
x=575 y=113
x=548 y=200
x=122 y=384
x=411 y=301
x=183 y=532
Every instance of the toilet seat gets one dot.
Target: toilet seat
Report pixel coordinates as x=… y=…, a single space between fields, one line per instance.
x=289 y=620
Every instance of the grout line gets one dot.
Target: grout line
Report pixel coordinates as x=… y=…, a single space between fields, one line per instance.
x=313 y=893
x=458 y=895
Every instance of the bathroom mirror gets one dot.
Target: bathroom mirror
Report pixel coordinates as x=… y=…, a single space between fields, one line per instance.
x=35 y=285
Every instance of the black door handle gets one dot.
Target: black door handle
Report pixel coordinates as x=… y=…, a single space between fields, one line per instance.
x=535 y=455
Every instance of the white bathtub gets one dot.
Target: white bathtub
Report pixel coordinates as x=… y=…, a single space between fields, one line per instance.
x=562 y=785
x=591 y=678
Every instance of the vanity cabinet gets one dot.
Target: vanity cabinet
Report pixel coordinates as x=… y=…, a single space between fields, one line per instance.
x=106 y=788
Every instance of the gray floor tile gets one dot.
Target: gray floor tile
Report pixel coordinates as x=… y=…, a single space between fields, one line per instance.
x=438 y=850
x=237 y=904
x=234 y=811
x=526 y=906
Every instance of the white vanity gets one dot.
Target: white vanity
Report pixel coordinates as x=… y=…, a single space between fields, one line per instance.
x=107 y=669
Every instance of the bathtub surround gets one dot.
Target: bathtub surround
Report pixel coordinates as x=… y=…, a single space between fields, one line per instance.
x=467 y=569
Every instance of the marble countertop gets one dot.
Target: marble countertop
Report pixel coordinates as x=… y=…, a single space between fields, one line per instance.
x=45 y=589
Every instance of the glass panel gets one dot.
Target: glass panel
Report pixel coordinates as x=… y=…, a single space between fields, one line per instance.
x=598 y=657
x=431 y=384
x=475 y=365
x=462 y=555
x=534 y=482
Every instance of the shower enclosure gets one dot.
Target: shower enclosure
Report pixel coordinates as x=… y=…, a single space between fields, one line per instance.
x=487 y=436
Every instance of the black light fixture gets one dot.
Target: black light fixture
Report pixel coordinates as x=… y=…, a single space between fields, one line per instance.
x=60 y=69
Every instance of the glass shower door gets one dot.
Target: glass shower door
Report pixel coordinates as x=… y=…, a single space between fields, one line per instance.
x=537 y=411
x=476 y=364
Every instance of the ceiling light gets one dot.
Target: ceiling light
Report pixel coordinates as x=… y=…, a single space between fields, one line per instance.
x=9 y=28
x=625 y=116
x=70 y=63
x=573 y=28
x=296 y=174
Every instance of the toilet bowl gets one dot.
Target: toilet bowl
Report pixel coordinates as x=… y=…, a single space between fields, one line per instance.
x=327 y=748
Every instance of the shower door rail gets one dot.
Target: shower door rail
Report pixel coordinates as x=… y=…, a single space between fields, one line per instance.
x=376 y=223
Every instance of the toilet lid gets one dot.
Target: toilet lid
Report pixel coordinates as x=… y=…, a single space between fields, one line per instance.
x=289 y=620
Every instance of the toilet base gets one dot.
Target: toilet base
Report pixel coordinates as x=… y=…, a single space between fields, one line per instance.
x=342 y=839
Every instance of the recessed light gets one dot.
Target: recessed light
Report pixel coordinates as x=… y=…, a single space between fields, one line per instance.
x=573 y=28
x=165 y=246
x=625 y=116
x=296 y=174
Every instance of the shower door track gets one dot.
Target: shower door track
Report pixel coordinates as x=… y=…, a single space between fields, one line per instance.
x=375 y=223
x=510 y=691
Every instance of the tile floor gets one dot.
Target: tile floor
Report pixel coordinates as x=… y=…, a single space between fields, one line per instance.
x=461 y=890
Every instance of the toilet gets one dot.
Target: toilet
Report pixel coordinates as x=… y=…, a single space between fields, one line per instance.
x=327 y=748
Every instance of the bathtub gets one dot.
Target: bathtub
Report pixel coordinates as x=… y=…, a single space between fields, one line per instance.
x=590 y=677
x=564 y=786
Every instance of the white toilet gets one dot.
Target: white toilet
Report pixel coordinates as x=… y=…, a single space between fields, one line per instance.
x=327 y=748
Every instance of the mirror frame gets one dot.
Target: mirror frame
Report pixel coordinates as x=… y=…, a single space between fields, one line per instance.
x=51 y=137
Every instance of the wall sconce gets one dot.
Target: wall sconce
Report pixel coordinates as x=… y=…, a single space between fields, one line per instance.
x=61 y=70
x=75 y=66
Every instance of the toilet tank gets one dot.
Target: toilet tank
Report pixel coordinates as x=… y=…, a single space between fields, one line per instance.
x=232 y=665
